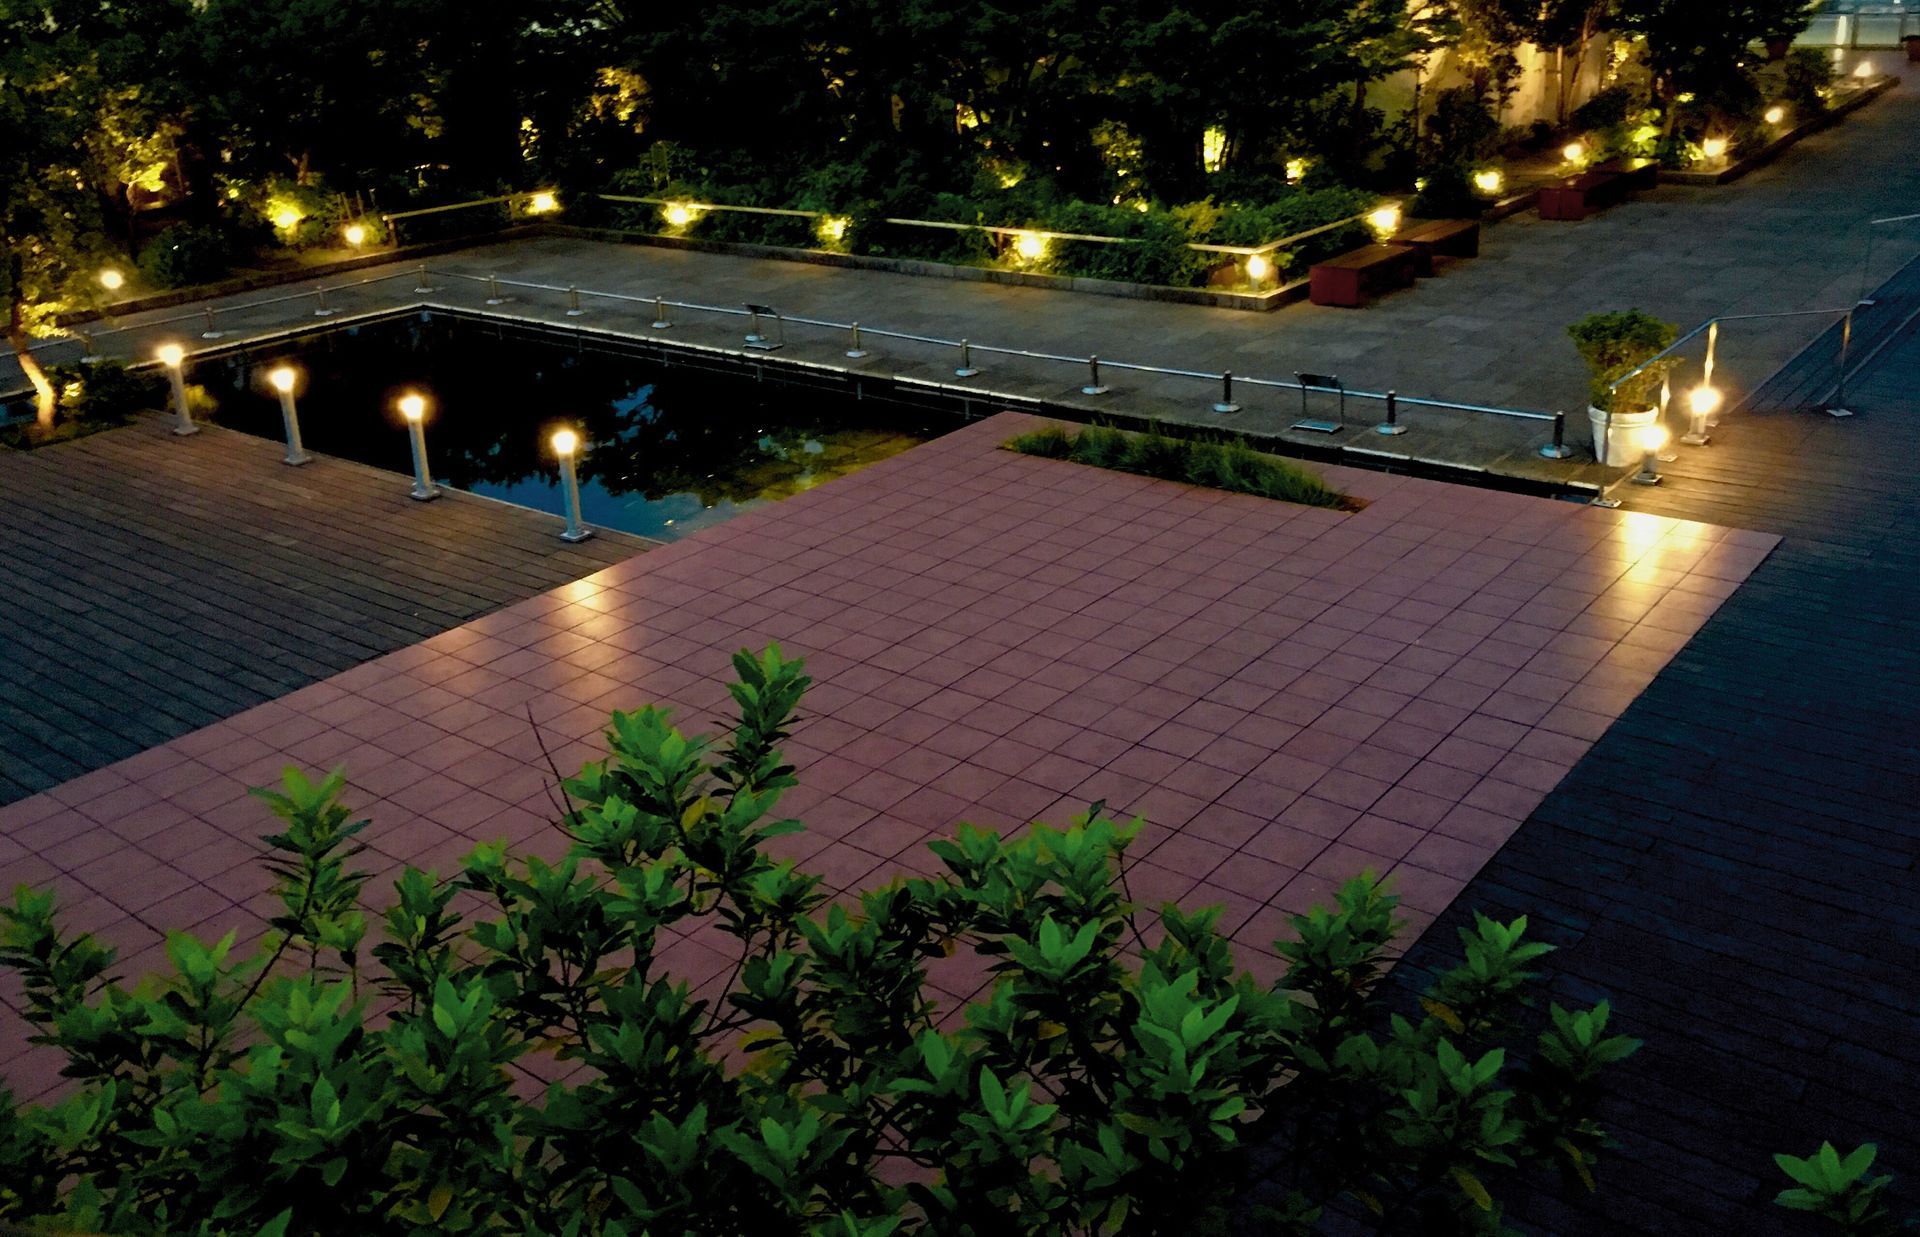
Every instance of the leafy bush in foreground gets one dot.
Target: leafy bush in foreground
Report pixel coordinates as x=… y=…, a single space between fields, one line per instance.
x=1108 y=1082
x=1229 y=465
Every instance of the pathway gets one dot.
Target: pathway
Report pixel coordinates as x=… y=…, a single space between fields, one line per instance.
x=157 y=584
x=1288 y=695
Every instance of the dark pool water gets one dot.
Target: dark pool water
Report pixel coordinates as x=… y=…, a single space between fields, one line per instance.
x=665 y=449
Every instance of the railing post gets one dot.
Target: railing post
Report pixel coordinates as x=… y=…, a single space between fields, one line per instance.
x=1093 y=386
x=1838 y=408
x=573 y=303
x=212 y=331
x=1391 y=426
x=494 y=296
x=421 y=284
x=753 y=335
x=1225 y=403
x=660 y=322
x=854 y=350
x=1558 y=448
x=966 y=368
x=321 y=309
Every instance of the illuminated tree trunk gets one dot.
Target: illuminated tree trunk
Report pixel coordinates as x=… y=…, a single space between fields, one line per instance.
x=30 y=366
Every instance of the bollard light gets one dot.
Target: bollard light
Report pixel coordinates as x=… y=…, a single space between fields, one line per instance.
x=542 y=203
x=1384 y=221
x=1776 y=114
x=1714 y=147
x=678 y=215
x=1652 y=438
x=282 y=379
x=174 y=357
x=565 y=444
x=1863 y=70
x=1488 y=181
x=286 y=218
x=413 y=406
x=1573 y=152
x=1031 y=246
x=355 y=234
x=1258 y=268
x=112 y=280
x=833 y=228
x=1702 y=402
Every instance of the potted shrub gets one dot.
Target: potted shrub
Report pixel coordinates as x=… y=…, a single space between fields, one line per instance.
x=1615 y=345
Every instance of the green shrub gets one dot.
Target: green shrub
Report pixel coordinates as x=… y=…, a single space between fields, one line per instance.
x=1614 y=345
x=106 y=392
x=1103 y=1085
x=1837 y=1188
x=184 y=255
x=1448 y=194
x=1229 y=465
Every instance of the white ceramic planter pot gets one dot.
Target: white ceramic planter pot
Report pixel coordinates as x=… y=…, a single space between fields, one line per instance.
x=1619 y=437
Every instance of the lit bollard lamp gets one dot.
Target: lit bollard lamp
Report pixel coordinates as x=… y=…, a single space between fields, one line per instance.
x=413 y=406
x=566 y=444
x=1652 y=439
x=282 y=378
x=1702 y=402
x=174 y=357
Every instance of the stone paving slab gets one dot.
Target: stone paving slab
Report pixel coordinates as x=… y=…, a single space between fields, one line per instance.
x=156 y=584
x=1287 y=695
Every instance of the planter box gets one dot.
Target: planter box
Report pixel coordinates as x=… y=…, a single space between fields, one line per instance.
x=1768 y=153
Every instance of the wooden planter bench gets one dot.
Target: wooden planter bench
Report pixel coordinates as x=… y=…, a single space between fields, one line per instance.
x=1352 y=279
x=1441 y=238
x=1608 y=184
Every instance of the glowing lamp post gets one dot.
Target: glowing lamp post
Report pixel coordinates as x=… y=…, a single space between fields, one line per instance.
x=355 y=235
x=1573 y=152
x=1702 y=402
x=282 y=378
x=1652 y=439
x=112 y=280
x=565 y=444
x=1776 y=114
x=1714 y=149
x=1489 y=181
x=1384 y=221
x=1258 y=268
x=413 y=406
x=174 y=357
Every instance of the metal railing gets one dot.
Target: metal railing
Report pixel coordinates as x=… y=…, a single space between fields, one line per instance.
x=963 y=351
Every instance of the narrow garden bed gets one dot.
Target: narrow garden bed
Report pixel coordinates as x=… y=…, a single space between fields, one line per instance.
x=1229 y=464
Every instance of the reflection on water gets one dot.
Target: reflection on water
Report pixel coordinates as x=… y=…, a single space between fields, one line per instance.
x=664 y=450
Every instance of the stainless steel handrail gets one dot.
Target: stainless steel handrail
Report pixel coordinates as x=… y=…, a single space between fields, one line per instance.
x=966 y=346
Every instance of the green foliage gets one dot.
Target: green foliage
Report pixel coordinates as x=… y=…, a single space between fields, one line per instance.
x=1226 y=465
x=1101 y=1083
x=1448 y=194
x=185 y=254
x=1837 y=1188
x=1615 y=344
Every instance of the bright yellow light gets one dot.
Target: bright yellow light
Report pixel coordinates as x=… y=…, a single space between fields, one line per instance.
x=1863 y=70
x=1704 y=400
x=282 y=378
x=1714 y=147
x=413 y=406
x=833 y=228
x=1009 y=179
x=1573 y=152
x=1031 y=246
x=171 y=355
x=1296 y=170
x=1385 y=220
x=1142 y=207
x=1488 y=180
x=355 y=234
x=112 y=280
x=1258 y=268
x=286 y=218
x=1653 y=438
x=542 y=203
x=565 y=442
x=678 y=215
x=1776 y=114
x=1213 y=148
